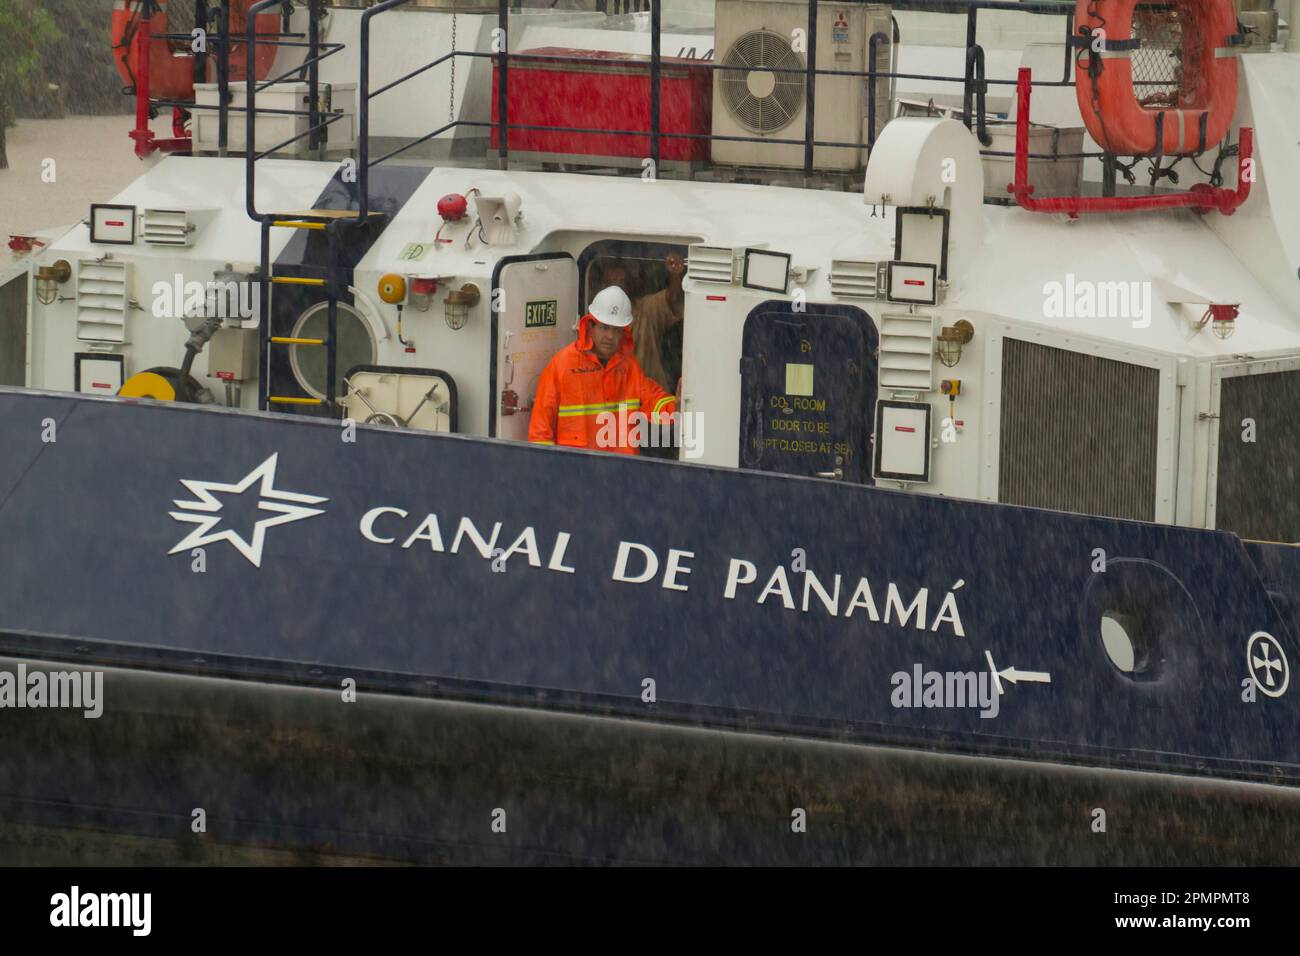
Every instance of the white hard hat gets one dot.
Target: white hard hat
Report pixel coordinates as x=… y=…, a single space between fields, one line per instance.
x=612 y=307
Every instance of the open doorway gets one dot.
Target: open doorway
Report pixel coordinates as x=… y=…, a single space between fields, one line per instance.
x=651 y=274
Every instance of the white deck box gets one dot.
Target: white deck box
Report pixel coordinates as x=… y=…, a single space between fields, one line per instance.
x=274 y=128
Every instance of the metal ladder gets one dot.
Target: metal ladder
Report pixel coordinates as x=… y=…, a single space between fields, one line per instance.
x=268 y=341
x=316 y=220
x=313 y=220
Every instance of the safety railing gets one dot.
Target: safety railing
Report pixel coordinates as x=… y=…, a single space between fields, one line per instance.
x=975 y=84
x=217 y=48
x=317 y=50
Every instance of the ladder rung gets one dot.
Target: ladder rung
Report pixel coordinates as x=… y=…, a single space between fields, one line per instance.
x=287 y=340
x=297 y=224
x=324 y=214
x=289 y=400
x=296 y=280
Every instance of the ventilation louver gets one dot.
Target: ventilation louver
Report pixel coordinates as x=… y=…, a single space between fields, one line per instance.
x=711 y=264
x=856 y=279
x=907 y=353
x=166 y=227
x=102 y=300
x=762 y=100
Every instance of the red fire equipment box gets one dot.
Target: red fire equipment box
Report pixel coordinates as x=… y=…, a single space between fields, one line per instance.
x=548 y=89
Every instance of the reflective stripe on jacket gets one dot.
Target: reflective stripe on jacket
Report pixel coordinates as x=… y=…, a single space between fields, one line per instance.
x=578 y=399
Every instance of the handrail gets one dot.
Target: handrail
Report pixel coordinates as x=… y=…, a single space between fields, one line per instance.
x=810 y=87
x=223 y=79
x=334 y=117
x=871 y=85
x=312 y=62
x=976 y=88
x=250 y=113
x=363 y=104
x=974 y=82
x=253 y=87
x=1201 y=197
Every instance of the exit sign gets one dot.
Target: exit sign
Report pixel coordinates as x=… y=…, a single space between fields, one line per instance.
x=541 y=314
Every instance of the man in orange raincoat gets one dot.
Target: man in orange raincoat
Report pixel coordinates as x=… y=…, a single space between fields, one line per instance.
x=593 y=394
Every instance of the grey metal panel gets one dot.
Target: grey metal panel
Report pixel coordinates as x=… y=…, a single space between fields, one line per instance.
x=13 y=331
x=1258 y=471
x=1078 y=432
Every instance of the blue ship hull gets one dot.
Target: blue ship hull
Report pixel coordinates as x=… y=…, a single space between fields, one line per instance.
x=240 y=576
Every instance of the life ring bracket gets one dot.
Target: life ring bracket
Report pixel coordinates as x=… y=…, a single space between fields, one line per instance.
x=1202 y=40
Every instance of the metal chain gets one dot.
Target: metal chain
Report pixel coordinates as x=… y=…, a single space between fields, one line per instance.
x=451 y=100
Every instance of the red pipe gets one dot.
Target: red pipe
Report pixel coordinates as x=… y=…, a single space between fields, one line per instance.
x=142 y=134
x=146 y=144
x=156 y=68
x=1202 y=197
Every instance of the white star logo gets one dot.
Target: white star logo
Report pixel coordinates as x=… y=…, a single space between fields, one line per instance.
x=286 y=505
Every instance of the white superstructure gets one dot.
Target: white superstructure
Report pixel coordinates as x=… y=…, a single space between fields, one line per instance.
x=1047 y=299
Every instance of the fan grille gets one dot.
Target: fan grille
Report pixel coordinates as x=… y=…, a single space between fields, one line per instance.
x=757 y=51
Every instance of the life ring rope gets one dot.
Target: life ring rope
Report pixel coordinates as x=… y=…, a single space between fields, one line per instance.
x=1187 y=120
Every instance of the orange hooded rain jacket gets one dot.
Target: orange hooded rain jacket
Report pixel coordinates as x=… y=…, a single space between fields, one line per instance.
x=575 y=390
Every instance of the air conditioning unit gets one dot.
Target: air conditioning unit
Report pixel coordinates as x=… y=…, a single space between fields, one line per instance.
x=770 y=37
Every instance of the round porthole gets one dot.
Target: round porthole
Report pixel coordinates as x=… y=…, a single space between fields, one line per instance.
x=356 y=346
x=1138 y=614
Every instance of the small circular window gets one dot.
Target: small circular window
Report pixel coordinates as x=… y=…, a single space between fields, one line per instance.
x=1118 y=637
x=1140 y=614
x=356 y=346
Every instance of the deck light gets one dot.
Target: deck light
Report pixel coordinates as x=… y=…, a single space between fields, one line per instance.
x=1220 y=318
x=422 y=290
x=1224 y=320
x=49 y=278
x=951 y=340
x=458 y=303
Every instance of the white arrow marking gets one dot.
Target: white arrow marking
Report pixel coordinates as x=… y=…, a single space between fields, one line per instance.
x=1015 y=676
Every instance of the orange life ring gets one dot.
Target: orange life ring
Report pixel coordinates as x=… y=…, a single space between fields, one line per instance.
x=1198 y=113
x=171 y=62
